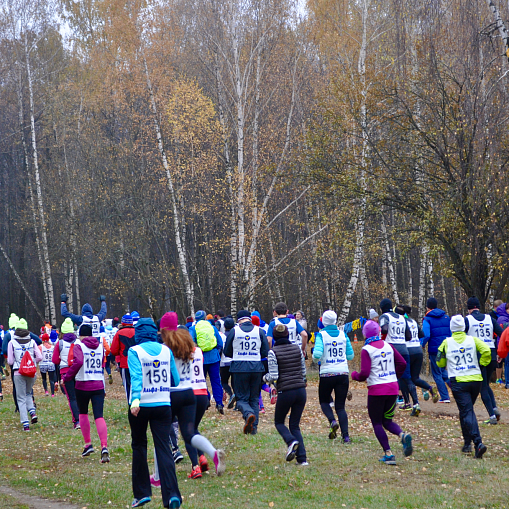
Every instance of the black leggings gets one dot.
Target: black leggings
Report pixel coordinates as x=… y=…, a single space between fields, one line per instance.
x=224 y=372
x=52 y=379
x=416 y=360
x=183 y=406
x=487 y=396
x=84 y=397
x=202 y=403
x=339 y=384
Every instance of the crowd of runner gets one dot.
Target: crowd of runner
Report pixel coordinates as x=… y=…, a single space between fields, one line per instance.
x=164 y=368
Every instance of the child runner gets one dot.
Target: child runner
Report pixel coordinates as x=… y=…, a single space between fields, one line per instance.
x=87 y=371
x=183 y=399
x=151 y=366
x=61 y=358
x=381 y=364
x=460 y=354
x=21 y=343
x=46 y=365
x=333 y=350
x=287 y=367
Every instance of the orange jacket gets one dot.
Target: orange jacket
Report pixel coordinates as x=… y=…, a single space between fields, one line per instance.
x=503 y=344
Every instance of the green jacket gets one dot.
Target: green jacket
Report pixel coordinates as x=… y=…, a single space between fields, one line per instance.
x=481 y=346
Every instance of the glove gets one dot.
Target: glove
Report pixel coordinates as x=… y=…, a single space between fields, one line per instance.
x=63 y=297
x=102 y=298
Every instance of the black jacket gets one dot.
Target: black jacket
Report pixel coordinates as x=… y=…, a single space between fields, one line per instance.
x=246 y=366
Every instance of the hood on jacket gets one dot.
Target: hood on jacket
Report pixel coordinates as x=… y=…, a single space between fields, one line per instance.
x=21 y=333
x=86 y=310
x=145 y=330
x=90 y=342
x=69 y=337
x=436 y=313
x=503 y=316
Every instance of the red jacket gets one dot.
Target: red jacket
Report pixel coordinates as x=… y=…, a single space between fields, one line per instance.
x=503 y=344
x=121 y=343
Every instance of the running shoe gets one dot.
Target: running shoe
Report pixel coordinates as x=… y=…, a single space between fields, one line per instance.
x=105 y=455
x=46 y=393
x=56 y=386
x=499 y=381
x=52 y=395
x=416 y=410
x=248 y=427
x=435 y=395
x=400 y=400
x=467 y=448
x=204 y=464
x=174 y=503
x=292 y=450
x=262 y=410
x=334 y=426
x=491 y=420
x=88 y=450
x=425 y=395
x=3 y=377
x=1 y=397
x=220 y=462
x=231 y=402
x=220 y=409
x=155 y=483
x=34 y=418
x=177 y=456
x=26 y=427
x=349 y=395
x=346 y=440
x=110 y=378
x=497 y=413
x=77 y=425
x=406 y=407
x=140 y=502
x=388 y=460
x=444 y=401
x=302 y=464
x=406 y=442
x=195 y=473
x=273 y=396
x=480 y=449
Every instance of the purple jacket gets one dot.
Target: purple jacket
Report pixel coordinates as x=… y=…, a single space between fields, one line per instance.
x=503 y=316
x=94 y=385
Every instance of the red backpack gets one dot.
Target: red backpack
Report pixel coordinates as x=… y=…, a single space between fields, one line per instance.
x=27 y=365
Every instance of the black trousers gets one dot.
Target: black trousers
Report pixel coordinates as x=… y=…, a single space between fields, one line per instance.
x=465 y=394
x=160 y=421
x=225 y=374
x=183 y=406
x=339 y=384
x=487 y=396
x=52 y=379
x=293 y=400
x=126 y=381
x=70 y=392
x=247 y=391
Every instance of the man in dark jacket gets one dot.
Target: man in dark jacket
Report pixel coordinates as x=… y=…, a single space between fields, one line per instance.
x=87 y=316
x=247 y=344
x=436 y=326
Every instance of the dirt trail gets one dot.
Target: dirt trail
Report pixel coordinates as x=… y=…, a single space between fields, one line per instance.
x=35 y=502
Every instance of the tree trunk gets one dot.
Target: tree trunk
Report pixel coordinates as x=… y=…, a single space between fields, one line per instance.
x=422 y=282
x=392 y=277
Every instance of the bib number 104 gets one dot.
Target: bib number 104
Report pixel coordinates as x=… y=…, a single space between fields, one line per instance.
x=157 y=375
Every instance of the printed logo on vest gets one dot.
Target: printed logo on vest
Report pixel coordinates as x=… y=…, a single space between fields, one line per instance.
x=462 y=349
x=156 y=363
x=92 y=353
x=383 y=354
x=334 y=343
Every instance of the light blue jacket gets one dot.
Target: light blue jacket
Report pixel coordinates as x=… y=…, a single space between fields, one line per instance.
x=334 y=332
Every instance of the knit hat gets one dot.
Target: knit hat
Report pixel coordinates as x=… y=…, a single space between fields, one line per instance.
x=255 y=320
x=127 y=319
x=45 y=337
x=85 y=330
x=22 y=324
x=169 y=321
x=280 y=331
x=256 y=313
x=243 y=313
x=432 y=303
x=53 y=335
x=370 y=329
x=372 y=314
x=67 y=326
x=200 y=315
x=210 y=317
x=457 y=323
x=13 y=321
x=385 y=305
x=101 y=329
x=229 y=324
x=135 y=316
x=189 y=319
x=473 y=303
x=329 y=318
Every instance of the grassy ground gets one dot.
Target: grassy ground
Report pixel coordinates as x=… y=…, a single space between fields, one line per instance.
x=47 y=462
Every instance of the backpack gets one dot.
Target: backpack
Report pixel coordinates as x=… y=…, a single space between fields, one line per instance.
x=205 y=337
x=27 y=365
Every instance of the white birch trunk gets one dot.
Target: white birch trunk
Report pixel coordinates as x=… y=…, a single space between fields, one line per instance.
x=392 y=276
x=410 y=296
x=499 y=23
x=176 y=222
x=44 y=240
x=422 y=282
x=431 y=284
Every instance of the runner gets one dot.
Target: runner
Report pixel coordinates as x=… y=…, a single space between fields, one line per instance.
x=110 y=332
x=255 y=320
x=46 y=365
x=247 y=345
x=61 y=359
x=87 y=315
x=297 y=334
x=333 y=350
x=149 y=364
x=460 y=353
x=87 y=372
x=381 y=364
x=484 y=327
x=287 y=368
x=122 y=342
x=21 y=343
x=224 y=370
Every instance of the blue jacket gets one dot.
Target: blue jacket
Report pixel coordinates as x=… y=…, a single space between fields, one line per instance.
x=86 y=310
x=7 y=338
x=333 y=331
x=436 y=326
x=214 y=355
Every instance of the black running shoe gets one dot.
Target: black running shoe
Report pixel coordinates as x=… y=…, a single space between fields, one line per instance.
x=105 y=455
x=467 y=448
x=177 y=456
x=480 y=449
x=34 y=418
x=87 y=451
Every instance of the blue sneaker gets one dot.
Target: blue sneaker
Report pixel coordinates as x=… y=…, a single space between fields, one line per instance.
x=406 y=441
x=174 y=503
x=400 y=400
x=388 y=460
x=140 y=502
x=425 y=395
